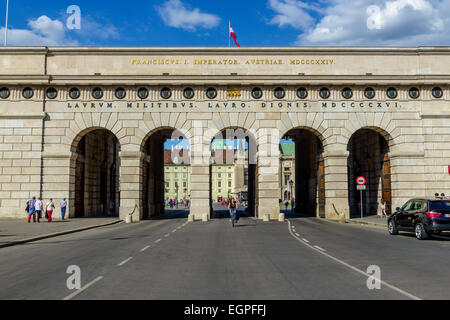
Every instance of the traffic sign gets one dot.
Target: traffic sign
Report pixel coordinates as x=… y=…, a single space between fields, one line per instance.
x=361 y=188
x=361 y=181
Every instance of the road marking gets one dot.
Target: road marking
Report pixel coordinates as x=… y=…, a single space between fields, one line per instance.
x=321 y=249
x=305 y=240
x=124 y=262
x=147 y=247
x=174 y=231
x=384 y=283
x=73 y=295
x=297 y=235
x=158 y=241
x=167 y=235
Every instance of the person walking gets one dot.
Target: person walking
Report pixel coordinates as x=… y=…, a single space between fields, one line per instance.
x=286 y=204
x=38 y=206
x=383 y=209
x=31 y=210
x=50 y=207
x=63 y=206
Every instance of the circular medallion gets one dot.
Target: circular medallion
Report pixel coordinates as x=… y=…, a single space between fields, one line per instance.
x=4 y=93
x=120 y=93
x=279 y=93
x=437 y=92
x=324 y=93
x=257 y=93
x=97 y=93
x=142 y=93
x=392 y=93
x=414 y=93
x=28 y=93
x=347 y=93
x=369 y=93
x=302 y=93
x=74 y=93
x=51 y=93
x=188 y=93
x=166 y=93
x=211 y=93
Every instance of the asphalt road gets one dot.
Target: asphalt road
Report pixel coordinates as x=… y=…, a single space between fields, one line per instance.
x=170 y=259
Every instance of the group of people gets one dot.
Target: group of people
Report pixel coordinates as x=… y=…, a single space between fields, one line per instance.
x=35 y=208
x=287 y=202
x=175 y=203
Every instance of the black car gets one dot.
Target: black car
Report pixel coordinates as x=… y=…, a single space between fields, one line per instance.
x=421 y=216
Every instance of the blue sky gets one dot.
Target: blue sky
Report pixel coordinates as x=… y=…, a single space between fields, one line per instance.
x=205 y=23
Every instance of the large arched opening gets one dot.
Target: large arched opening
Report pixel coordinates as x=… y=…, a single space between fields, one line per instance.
x=369 y=158
x=96 y=163
x=233 y=172
x=165 y=175
x=302 y=174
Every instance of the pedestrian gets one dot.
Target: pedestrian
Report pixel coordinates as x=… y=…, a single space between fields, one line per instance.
x=286 y=204
x=50 y=207
x=63 y=206
x=111 y=208
x=38 y=206
x=443 y=196
x=436 y=196
x=292 y=204
x=31 y=209
x=383 y=209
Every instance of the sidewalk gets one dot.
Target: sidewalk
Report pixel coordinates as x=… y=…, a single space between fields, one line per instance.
x=371 y=220
x=17 y=231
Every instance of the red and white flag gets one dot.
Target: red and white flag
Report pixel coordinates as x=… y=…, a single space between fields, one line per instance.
x=233 y=35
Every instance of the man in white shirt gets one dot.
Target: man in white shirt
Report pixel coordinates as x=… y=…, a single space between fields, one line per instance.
x=38 y=206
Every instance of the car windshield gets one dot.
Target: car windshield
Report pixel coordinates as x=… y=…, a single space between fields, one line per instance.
x=440 y=206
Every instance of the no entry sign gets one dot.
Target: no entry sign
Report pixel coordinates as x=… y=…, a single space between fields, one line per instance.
x=361 y=181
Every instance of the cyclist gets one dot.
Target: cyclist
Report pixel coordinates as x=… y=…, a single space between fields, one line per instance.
x=233 y=206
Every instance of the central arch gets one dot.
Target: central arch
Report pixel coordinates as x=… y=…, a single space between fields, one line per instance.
x=302 y=173
x=233 y=172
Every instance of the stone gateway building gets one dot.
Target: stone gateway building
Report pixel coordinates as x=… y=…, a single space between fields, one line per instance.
x=88 y=124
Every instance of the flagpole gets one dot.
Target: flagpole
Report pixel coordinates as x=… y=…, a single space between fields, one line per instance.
x=229 y=35
x=6 y=25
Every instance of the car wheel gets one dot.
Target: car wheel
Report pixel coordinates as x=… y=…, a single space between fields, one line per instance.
x=420 y=232
x=392 y=228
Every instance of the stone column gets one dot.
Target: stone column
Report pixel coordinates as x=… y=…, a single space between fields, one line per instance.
x=131 y=184
x=336 y=184
x=268 y=181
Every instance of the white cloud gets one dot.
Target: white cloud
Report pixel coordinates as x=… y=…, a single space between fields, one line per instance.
x=291 y=13
x=392 y=23
x=43 y=32
x=175 y=14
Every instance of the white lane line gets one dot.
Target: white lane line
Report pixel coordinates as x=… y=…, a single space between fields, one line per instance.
x=158 y=241
x=319 y=248
x=124 y=262
x=403 y=292
x=167 y=235
x=73 y=295
x=174 y=231
x=297 y=235
x=305 y=240
x=145 y=249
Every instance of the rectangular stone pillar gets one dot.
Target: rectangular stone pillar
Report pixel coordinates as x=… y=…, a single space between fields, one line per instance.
x=131 y=185
x=268 y=181
x=336 y=185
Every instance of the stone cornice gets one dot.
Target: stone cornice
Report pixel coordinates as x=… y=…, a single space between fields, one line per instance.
x=29 y=115
x=436 y=115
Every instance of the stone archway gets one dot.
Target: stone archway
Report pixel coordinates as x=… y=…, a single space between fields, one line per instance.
x=95 y=160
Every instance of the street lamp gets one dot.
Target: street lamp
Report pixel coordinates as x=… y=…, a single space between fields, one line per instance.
x=291 y=183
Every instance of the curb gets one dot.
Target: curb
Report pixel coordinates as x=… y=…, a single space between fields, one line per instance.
x=54 y=235
x=381 y=225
